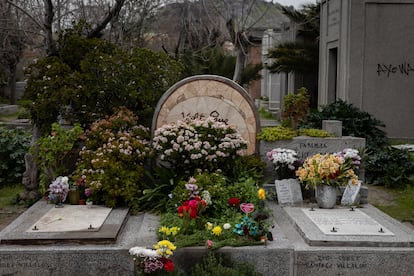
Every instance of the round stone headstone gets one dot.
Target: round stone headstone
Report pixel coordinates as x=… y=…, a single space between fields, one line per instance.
x=207 y=95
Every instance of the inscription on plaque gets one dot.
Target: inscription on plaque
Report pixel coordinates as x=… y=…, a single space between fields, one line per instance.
x=351 y=194
x=346 y=222
x=288 y=191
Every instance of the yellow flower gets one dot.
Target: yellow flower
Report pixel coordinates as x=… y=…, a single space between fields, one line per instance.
x=262 y=194
x=174 y=230
x=209 y=226
x=165 y=230
x=217 y=230
x=165 y=248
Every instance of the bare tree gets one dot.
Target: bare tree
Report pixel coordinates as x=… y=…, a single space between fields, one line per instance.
x=240 y=17
x=12 y=42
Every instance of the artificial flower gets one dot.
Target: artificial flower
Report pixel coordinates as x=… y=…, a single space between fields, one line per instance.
x=217 y=230
x=261 y=194
x=226 y=226
x=234 y=201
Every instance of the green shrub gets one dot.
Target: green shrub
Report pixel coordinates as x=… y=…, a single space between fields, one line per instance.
x=355 y=122
x=295 y=108
x=85 y=85
x=390 y=167
x=14 y=143
x=57 y=153
x=271 y=134
x=313 y=132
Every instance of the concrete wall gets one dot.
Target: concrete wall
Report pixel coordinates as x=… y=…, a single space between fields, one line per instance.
x=367 y=59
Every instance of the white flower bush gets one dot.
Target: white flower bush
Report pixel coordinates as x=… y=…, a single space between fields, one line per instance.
x=198 y=144
x=284 y=161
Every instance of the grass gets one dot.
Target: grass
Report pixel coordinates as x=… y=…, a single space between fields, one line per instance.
x=403 y=207
x=9 y=194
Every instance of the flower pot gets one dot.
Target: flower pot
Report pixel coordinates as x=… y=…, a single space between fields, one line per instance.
x=89 y=204
x=82 y=201
x=326 y=196
x=74 y=197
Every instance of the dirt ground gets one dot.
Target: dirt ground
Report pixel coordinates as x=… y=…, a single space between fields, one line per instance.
x=376 y=196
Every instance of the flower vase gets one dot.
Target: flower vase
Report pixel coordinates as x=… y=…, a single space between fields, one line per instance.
x=326 y=196
x=89 y=204
x=59 y=203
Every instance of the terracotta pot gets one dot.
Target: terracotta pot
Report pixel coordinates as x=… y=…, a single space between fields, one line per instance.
x=82 y=202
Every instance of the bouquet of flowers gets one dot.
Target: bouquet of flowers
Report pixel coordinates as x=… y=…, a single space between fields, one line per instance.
x=285 y=162
x=151 y=260
x=327 y=169
x=59 y=189
x=352 y=156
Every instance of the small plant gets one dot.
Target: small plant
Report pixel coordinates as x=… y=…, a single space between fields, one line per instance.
x=14 y=143
x=295 y=108
x=55 y=152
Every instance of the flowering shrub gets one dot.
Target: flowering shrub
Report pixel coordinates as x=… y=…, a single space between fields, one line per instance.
x=328 y=169
x=285 y=162
x=204 y=144
x=113 y=158
x=152 y=260
x=59 y=189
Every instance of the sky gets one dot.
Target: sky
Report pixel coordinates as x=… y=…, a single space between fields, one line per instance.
x=296 y=3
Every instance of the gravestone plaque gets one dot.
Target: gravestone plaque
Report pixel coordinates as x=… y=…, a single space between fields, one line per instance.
x=288 y=191
x=71 y=218
x=210 y=96
x=346 y=222
x=351 y=193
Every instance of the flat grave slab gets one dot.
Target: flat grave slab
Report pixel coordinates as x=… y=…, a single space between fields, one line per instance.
x=348 y=222
x=365 y=226
x=70 y=224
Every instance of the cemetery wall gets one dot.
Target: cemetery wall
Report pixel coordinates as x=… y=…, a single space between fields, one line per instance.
x=366 y=58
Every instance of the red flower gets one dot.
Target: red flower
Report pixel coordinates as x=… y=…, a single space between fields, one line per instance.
x=234 y=201
x=169 y=266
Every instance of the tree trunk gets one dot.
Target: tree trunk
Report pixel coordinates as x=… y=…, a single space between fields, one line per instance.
x=12 y=85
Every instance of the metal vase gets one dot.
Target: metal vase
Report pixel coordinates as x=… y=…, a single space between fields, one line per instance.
x=326 y=196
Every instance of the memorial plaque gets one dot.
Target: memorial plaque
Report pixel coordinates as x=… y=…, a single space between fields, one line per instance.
x=288 y=191
x=346 y=222
x=71 y=218
x=350 y=194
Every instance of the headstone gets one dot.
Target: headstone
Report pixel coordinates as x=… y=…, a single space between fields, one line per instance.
x=206 y=95
x=333 y=127
x=351 y=194
x=288 y=191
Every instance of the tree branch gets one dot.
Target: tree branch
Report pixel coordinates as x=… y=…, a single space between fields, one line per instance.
x=113 y=12
x=26 y=13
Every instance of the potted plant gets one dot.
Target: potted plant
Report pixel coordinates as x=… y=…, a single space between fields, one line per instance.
x=58 y=190
x=325 y=173
x=285 y=162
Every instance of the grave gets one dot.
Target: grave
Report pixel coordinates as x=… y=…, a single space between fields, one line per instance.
x=303 y=242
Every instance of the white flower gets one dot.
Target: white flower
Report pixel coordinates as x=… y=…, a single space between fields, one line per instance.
x=226 y=226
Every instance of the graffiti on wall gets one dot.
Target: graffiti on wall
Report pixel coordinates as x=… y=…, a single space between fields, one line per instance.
x=388 y=70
